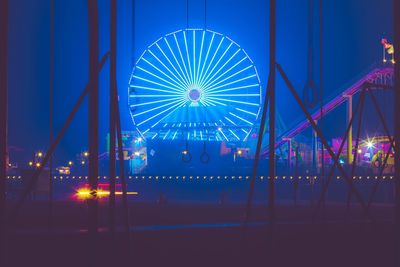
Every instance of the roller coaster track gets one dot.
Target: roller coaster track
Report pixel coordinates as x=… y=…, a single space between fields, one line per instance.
x=377 y=75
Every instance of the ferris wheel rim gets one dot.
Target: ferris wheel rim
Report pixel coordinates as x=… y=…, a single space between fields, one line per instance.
x=183 y=80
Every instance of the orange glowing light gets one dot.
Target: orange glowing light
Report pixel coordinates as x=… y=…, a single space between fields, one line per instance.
x=85 y=193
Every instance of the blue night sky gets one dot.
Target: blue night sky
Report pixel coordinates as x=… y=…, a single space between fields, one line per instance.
x=352 y=33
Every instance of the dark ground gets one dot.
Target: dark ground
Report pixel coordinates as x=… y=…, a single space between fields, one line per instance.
x=205 y=235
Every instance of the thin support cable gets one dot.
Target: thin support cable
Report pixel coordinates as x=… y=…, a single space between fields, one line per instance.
x=321 y=82
x=51 y=95
x=205 y=14
x=133 y=46
x=310 y=97
x=272 y=110
x=187 y=14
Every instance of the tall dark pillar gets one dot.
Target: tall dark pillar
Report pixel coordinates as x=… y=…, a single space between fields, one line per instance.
x=3 y=124
x=272 y=109
x=93 y=124
x=113 y=103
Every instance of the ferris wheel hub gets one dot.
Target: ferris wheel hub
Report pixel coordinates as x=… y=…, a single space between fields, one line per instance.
x=194 y=94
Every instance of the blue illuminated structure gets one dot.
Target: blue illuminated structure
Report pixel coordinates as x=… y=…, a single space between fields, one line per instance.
x=194 y=84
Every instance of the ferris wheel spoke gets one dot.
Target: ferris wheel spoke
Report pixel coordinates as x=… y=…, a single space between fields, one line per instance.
x=194 y=57
x=162 y=112
x=166 y=134
x=209 y=80
x=176 y=80
x=240 y=118
x=247 y=112
x=188 y=57
x=194 y=68
x=208 y=100
x=154 y=96
x=207 y=103
x=226 y=118
x=176 y=60
x=156 y=108
x=156 y=83
x=206 y=78
x=149 y=103
x=226 y=138
x=234 y=95
x=247 y=134
x=207 y=54
x=216 y=64
x=226 y=72
x=212 y=59
x=176 y=132
x=183 y=61
x=200 y=57
x=231 y=76
x=177 y=87
x=204 y=103
x=232 y=89
x=236 y=81
x=181 y=104
x=153 y=89
x=233 y=101
x=234 y=134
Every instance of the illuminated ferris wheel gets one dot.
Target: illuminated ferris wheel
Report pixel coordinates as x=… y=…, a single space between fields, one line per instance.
x=194 y=84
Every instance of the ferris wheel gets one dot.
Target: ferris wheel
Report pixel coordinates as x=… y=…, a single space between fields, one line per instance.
x=194 y=84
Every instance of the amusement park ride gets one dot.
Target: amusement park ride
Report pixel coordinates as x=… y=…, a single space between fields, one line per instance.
x=192 y=88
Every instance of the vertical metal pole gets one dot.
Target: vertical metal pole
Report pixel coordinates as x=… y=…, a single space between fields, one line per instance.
x=113 y=102
x=122 y=174
x=321 y=83
x=315 y=162
x=289 y=142
x=93 y=126
x=3 y=121
x=314 y=148
x=296 y=180
x=396 y=24
x=272 y=71
x=321 y=94
x=350 y=135
x=51 y=87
